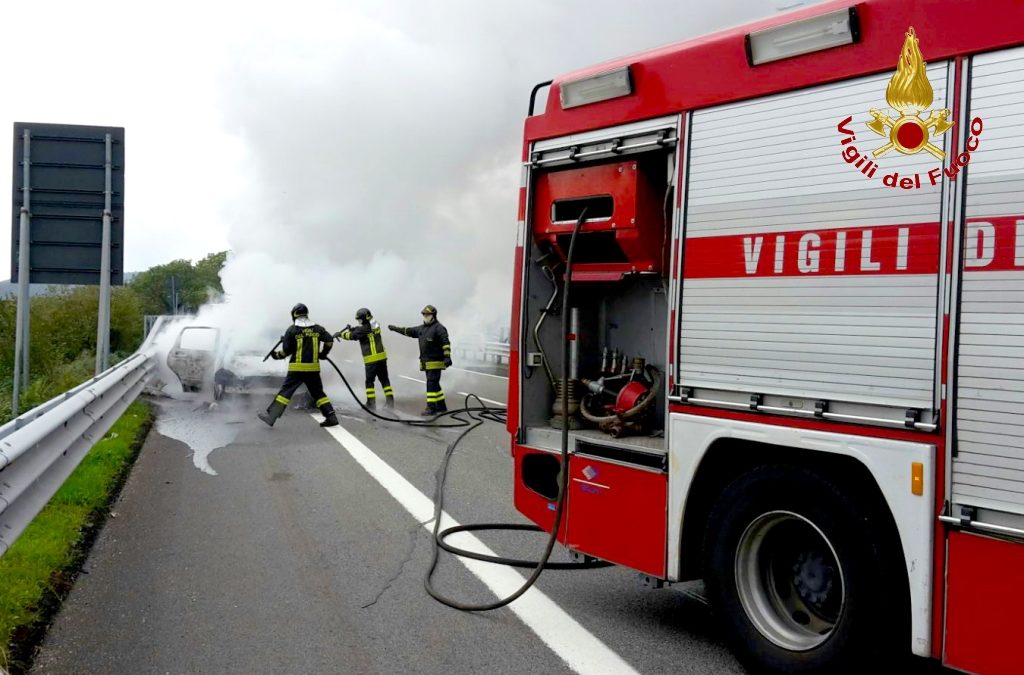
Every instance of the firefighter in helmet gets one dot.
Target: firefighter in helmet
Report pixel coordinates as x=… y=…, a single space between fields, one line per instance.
x=375 y=359
x=435 y=356
x=303 y=344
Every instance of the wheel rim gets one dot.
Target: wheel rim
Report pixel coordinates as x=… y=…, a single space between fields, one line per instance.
x=789 y=580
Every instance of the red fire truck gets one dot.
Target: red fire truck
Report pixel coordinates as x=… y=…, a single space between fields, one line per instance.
x=796 y=328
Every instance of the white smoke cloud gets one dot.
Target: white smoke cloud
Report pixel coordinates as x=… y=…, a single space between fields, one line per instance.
x=350 y=154
x=383 y=146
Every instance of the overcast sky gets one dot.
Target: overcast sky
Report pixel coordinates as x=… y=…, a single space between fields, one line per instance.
x=343 y=151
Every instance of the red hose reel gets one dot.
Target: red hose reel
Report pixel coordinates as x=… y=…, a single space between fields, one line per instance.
x=629 y=397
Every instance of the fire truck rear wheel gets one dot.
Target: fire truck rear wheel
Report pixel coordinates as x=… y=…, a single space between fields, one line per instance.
x=796 y=576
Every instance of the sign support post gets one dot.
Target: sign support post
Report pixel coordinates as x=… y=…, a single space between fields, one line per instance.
x=21 y=329
x=103 y=317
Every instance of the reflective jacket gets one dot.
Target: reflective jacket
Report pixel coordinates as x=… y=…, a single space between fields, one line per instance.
x=370 y=341
x=434 y=345
x=306 y=343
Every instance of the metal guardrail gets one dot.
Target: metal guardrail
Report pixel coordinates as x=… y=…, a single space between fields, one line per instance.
x=40 y=448
x=482 y=351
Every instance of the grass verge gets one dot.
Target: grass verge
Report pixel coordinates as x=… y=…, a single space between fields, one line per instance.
x=38 y=571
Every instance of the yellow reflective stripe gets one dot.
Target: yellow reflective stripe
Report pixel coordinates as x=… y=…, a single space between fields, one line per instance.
x=304 y=367
x=346 y=335
x=281 y=399
x=375 y=358
x=372 y=339
x=388 y=390
x=298 y=349
x=316 y=349
x=440 y=396
x=322 y=402
x=434 y=365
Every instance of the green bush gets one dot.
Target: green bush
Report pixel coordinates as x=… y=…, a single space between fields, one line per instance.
x=63 y=341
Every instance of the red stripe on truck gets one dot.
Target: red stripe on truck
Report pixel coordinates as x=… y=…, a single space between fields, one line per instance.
x=994 y=244
x=882 y=249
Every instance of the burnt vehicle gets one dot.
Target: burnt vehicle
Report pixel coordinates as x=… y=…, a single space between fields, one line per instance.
x=203 y=361
x=193 y=356
x=246 y=371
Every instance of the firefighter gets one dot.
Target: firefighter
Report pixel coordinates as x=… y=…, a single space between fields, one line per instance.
x=375 y=359
x=305 y=343
x=435 y=356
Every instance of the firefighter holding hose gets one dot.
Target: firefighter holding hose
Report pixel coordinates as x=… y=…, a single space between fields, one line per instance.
x=375 y=359
x=435 y=356
x=303 y=344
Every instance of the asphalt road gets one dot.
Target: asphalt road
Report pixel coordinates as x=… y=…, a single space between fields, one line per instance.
x=261 y=550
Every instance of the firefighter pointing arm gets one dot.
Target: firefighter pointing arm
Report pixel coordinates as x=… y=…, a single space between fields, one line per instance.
x=435 y=356
x=375 y=359
x=303 y=344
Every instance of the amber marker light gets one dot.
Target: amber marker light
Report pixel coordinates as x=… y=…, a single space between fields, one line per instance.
x=917 y=478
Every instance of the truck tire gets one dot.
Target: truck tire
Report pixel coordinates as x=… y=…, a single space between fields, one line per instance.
x=797 y=577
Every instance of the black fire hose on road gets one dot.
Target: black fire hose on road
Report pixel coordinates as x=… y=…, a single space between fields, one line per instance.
x=476 y=417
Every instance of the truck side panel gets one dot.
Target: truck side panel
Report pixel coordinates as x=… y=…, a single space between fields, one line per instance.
x=985 y=574
x=988 y=469
x=804 y=274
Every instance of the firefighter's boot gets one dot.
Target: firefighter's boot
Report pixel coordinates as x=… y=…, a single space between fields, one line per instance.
x=429 y=411
x=389 y=402
x=440 y=406
x=330 y=417
x=274 y=410
x=371 y=403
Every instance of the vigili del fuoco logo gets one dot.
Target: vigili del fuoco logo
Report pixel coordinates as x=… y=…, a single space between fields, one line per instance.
x=912 y=130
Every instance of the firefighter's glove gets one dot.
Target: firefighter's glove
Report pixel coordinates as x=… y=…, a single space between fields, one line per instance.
x=277 y=356
x=393 y=327
x=447 y=363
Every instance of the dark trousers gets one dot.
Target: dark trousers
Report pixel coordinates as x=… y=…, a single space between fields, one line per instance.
x=378 y=370
x=435 y=396
x=292 y=383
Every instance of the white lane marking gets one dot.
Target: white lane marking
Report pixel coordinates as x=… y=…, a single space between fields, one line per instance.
x=485 y=400
x=413 y=379
x=349 y=361
x=570 y=641
x=475 y=372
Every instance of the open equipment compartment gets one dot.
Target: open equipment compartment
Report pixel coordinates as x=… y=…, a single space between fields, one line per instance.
x=618 y=327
